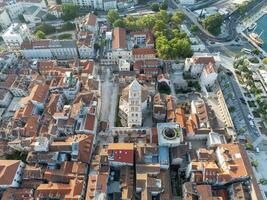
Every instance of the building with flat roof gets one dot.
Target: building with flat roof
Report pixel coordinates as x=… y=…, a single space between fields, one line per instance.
x=15 y=35
x=47 y=49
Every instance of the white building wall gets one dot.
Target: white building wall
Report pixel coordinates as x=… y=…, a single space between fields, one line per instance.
x=5 y=20
x=16 y=34
x=118 y=54
x=110 y=5
x=15 y=9
x=135 y=107
x=208 y=79
x=98 y=4
x=187 y=2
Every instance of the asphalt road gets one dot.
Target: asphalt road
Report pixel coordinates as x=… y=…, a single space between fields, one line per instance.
x=231 y=22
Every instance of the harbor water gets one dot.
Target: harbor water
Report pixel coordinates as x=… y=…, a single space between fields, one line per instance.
x=262 y=26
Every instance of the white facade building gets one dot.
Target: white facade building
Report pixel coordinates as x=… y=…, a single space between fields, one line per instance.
x=98 y=4
x=88 y=23
x=81 y=3
x=109 y=4
x=124 y=65
x=119 y=45
x=208 y=76
x=41 y=144
x=16 y=8
x=15 y=35
x=71 y=86
x=196 y=64
x=85 y=44
x=132 y=103
x=47 y=49
x=188 y=2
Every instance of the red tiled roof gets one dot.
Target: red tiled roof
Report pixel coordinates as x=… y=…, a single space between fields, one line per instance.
x=90 y=19
x=8 y=169
x=18 y=193
x=88 y=66
x=180 y=117
x=89 y=122
x=154 y=135
x=122 y=152
x=144 y=51
x=119 y=38
x=203 y=60
x=133 y=33
x=38 y=94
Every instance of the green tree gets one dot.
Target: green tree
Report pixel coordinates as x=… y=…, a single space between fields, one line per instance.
x=119 y=23
x=58 y=2
x=40 y=34
x=164 y=5
x=155 y=7
x=264 y=61
x=159 y=26
x=68 y=26
x=163 y=47
x=181 y=48
x=255 y=163
x=112 y=16
x=162 y=15
x=194 y=28
x=177 y=17
x=256 y=51
x=50 y=17
x=46 y=28
x=131 y=23
x=146 y=22
x=143 y=2
x=70 y=11
x=213 y=23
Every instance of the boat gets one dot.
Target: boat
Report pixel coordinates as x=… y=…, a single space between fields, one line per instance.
x=252 y=26
x=256 y=38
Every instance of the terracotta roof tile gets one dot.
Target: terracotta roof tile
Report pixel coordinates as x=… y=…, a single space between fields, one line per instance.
x=119 y=38
x=144 y=51
x=8 y=169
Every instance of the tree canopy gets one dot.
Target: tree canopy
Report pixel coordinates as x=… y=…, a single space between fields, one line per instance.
x=112 y=16
x=118 y=23
x=213 y=23
x=177 y=17
x=155 y=7
x=170 y=43
x=70 y=11
x=40 y=34
x=46 y=28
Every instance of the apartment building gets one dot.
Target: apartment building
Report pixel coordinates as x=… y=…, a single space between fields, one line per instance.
x=15 y=35
x=47 y=49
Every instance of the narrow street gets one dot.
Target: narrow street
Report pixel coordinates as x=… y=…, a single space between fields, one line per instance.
x=109 y=96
